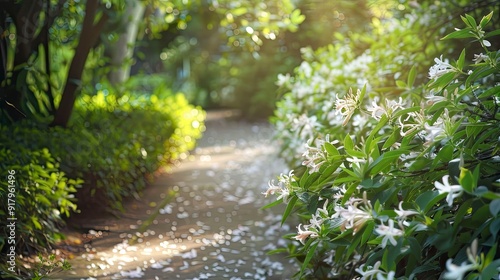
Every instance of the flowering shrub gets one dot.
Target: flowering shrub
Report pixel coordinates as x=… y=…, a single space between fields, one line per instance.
x=394 y=187
x=307 y=110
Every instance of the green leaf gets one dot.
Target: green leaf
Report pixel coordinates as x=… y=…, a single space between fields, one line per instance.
x=311 y=179
x=491 y=254
x=362 y=93
x=495 y=228
x=495 y=207
x=483 y=192
x=331 y=149
x=289 y=209
x=43 y=199
x=444 y=80
x=272 y=204
x=459 y=34
x=472 y=21
x=411 y=76
x=401 y=84
x=239 y=11
x=36 y=223
x=406 y=111
x=327 y=173
x=312 y=204
x=303 y=179
x=461 y=213
x=367 y=232
x=354 y=244
x=491 y=270
x=428 y=199
x=445 y=154
x=384 y=161
x=485 y=20
x=461 y=60
x=392 y=139
x=348 y=143
x=492 y=33
x=296 y=17
x=310 y=253
x=468 y=180
x=489 y=92
x=479 y=73
x=381 y=123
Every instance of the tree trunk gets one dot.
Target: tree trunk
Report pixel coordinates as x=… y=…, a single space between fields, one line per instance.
x=121 y=52
x=88 y=38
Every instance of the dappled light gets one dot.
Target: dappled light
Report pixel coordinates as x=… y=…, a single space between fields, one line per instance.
x=249 y=139
x=207 y=222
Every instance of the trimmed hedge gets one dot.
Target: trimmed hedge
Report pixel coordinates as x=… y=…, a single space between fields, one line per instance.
x=104 y=156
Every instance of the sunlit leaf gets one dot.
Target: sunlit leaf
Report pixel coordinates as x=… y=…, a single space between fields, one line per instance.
x=463 y=33
x=485 y=20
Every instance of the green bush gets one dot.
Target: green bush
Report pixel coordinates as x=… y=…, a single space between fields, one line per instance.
x=36 y=194
x=399 y=186
x=113 y=144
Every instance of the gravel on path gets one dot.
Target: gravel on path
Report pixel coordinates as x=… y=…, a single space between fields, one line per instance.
x=202 y=219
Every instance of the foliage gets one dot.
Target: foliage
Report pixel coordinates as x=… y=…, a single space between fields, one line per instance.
x=130 y=136
x=33 y=86
x=113 y=144
x=49 y=265
x=398 y=184
x=42 y=196
x=244 y=77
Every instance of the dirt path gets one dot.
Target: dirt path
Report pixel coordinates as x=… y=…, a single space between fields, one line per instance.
x=212 y=228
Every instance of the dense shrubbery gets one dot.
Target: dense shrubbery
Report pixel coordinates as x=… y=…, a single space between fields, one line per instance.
x=36 y=176
x=112 y=143
x=399 y=184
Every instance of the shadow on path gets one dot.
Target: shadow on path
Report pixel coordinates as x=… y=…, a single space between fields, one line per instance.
x=202 y=219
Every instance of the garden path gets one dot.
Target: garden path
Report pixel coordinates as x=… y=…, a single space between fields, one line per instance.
x=212 y=228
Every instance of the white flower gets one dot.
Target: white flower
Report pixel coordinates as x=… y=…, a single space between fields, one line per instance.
x=403 y=214
x=453 y=191
x=272 y=189
x=356 y=163
x=389 y=232
x=389 y=108
x=440 y=68
x=432 y=98
x=433 y=131
x=323 y=212
x=282 y=188
x=307 y=126
x=339 y=194
x=316 y=220
x=376 y=110
x=456 y=272
x=283 y=79
x=370 y=272
x=407 y=127
x=287 y=179
x=478 y=58
x=314 y=156
x=346 y=106
x=389 y=276
x=353 y=216
x=302 y=235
